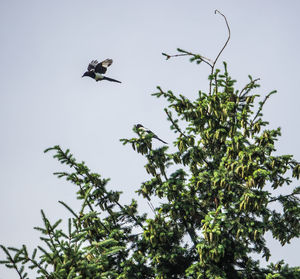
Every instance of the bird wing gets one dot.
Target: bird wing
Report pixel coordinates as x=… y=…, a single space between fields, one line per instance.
x=102 y=66
x=92 y=65
x=106 y=63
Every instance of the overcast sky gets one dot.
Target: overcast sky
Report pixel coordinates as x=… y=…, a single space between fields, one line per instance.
x=45 y=48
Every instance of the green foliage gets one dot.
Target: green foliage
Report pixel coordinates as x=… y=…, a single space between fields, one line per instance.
x=215 y=206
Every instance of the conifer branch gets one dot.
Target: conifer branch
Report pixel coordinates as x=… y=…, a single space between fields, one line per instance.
x=281 y=197
x=248 y=86
x=12 y=261
x=261 y=105
x=174 y=123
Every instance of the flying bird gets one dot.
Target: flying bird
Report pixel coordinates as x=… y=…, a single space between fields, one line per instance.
x=145 y=131
x=96 y=70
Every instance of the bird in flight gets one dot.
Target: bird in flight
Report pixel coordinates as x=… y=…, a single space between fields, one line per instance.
x=96 y=70
x=144 y=131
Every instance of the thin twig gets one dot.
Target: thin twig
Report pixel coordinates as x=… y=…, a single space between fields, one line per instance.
x=187 y=53
x=214 y=63
x=175 y=55
x=261 y=106
x=282 y=197
x=174 y=124
x=247 y=86
x=151 y=207
x=229 y=33
x=44 y=271
x=165 y=176
x=132 y=216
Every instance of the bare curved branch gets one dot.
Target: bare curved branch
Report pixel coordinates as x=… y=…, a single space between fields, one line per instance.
x=215 y=61
x=229 y=33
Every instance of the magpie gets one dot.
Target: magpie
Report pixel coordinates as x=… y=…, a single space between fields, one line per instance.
x=96 y=69
x=145 y=131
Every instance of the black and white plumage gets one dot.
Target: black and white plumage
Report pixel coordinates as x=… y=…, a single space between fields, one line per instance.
x=144 y=131
x=96 y=70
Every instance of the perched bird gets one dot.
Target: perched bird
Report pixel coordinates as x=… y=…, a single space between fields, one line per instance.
x=96 y=69
x=145 y=131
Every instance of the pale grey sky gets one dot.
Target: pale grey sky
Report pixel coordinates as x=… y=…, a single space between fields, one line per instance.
x=45 y=48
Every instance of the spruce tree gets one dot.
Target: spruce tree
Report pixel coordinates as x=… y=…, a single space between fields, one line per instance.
x=216 y=194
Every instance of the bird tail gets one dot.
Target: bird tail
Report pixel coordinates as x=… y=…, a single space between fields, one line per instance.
x=160 y=140
x=111 y=79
